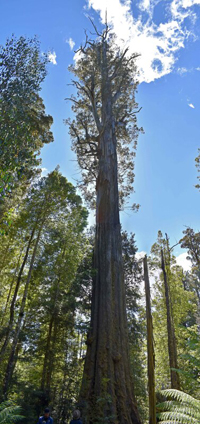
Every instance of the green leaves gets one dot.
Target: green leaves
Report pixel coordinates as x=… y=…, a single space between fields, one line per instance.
x=9 y=413
x=53 y=209
x=24 y=127
x=180 y=408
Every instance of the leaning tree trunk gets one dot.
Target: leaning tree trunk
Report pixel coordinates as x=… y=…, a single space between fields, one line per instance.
x=12 y=306
x=11 y=288
x=11 y=360
x=107 y=390
x=150 y=349
x=172 y=349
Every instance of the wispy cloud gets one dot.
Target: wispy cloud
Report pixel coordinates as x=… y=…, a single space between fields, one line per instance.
x=52 y=57
x=191 y=105
x=157 y=43
x=71 y=43
x=182 y=71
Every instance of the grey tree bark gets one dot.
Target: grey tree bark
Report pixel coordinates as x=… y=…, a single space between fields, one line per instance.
x=172 y=345
x=150 y=348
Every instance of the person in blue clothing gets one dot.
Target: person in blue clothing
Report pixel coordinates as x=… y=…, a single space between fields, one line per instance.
x=76 y=417
x=45 y=419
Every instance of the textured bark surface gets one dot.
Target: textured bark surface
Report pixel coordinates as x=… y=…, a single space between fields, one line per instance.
x=150 y=349
x=107 y=391
x=172 y=349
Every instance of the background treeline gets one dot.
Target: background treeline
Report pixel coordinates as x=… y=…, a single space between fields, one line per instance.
x=46 y=268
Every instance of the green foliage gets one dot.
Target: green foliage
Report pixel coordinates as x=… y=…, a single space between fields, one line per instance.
x=50 y=344
x=9 y=413
x=24 y=126
x=180 y=408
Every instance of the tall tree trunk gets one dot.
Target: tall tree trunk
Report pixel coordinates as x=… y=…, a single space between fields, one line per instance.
x=107 y=390
x=198 y=311
x=172 y=349
x=51 y=362
x=12 y=306
x=49 y=352
x=11 y=360
x=150 y=349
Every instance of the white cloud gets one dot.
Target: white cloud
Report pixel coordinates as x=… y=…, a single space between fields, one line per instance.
x=71 y=43
x=191 y=105
x=183 y=261
x=52 y=57
x=157 y=43
x=140 y=255
x=44 y=171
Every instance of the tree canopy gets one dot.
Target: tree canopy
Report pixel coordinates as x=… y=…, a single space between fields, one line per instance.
x=24 y=126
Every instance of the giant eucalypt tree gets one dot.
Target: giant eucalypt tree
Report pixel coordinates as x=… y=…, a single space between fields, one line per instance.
x=104 y=135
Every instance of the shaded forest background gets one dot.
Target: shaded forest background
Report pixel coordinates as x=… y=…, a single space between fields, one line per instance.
x=46 y=268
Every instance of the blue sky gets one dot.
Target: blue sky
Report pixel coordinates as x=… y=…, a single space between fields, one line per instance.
x=167 y=34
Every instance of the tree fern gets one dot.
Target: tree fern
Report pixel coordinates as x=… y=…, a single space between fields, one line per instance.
x=9 y=413
x=181 y=408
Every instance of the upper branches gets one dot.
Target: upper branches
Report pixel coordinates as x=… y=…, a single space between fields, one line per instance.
x=104 y=75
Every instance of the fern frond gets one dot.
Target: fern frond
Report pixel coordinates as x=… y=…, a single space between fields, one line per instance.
x=9 y=413
x=177 y=417
x=181 y=408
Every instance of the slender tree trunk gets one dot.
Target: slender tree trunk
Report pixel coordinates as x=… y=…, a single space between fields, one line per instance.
x=172 y=348
x=107 y=390
x=49 y=355
x=150 y=349
x=12 y=307
x=64 y=389
x=11 y=361
x=51 y=362
x=11 y=287
x=198 y=311
x=49 y=352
